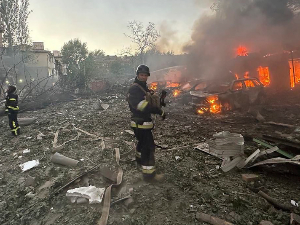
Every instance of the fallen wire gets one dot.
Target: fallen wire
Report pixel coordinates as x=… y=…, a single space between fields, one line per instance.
x=107 y=195
x=79 y=131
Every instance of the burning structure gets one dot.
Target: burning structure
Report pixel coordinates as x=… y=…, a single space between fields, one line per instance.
x=248 y=38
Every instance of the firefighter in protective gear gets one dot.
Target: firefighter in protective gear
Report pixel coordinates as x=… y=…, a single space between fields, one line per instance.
x=141 y=121
x=12 y=108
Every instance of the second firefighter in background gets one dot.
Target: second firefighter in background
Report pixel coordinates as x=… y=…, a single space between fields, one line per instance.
x=12 y=109
x=141 y=122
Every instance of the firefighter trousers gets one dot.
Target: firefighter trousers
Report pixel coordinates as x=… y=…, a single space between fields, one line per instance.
x=145 y=150
x=13 y=123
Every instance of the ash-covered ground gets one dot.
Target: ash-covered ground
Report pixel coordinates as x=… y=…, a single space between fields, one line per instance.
x=194 y=182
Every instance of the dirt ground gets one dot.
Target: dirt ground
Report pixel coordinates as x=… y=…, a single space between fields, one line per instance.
x=194 y=183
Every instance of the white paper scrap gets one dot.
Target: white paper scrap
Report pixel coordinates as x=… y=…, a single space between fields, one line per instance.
x=29 y=165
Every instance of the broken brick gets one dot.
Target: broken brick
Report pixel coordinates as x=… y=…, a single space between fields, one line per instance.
x=295 y=219
x=249 y=177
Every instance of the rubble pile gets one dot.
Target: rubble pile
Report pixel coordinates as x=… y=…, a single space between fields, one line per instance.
x=72 y=151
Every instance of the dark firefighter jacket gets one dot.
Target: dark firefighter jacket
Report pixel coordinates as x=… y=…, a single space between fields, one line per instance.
x=11 y=104
x=139 y=107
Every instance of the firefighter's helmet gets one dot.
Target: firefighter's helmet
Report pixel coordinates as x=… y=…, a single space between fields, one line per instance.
x=143 y=69
x=11 y=89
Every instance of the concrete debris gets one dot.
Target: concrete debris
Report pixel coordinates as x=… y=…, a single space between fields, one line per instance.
x=294 y=203
x=249 y=177
x=30 y=195
x=93 y=194
x=29 y=165
x=204 y=147
x=295 y=219
x=104 y=106
x=63 y=160
x=25 y=151
x=129 y=132
x=40 y=136
x=227 y=144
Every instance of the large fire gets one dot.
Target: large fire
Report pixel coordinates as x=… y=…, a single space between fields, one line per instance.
x=242 y=51
x=214 y=105
x=264 y=75
x=294 y=72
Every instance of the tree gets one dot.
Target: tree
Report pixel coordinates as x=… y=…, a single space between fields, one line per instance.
x=143 y=38
x=95 y=65
x=14 y=15
x=74 y=53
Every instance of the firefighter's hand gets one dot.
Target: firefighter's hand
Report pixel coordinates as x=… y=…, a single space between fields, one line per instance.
x=163 y=115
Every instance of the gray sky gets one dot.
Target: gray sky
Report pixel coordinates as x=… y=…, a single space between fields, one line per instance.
x=102 y=23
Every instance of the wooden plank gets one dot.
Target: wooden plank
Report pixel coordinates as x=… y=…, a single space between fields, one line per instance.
x=271 y=146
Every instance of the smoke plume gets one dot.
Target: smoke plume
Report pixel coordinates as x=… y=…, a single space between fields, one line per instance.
x=264 y=26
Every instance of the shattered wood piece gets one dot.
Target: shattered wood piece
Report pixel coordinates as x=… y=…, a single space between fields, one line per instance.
x=85 y=132
x=109 y=174
x=290 y=143
x=59 y=147
x=120 y=200
x=252 y=157
x=211 y=220
x=63 y=160
x=274 y=202
x=249 y=177
x=270 y=146
x=107 y=195
x=280 y=124
x=278 y=160
x=295 y=219
x=230 y=165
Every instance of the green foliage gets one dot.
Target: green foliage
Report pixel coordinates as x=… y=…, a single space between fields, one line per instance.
x=14 y=15
x=74 y=53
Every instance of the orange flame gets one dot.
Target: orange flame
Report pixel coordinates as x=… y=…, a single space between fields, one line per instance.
x=176 y=92
x=172 y=84
x=236 y=76
x=153 y=86
x=214 y=104
x=294 y=72
x=264 y=75
x=242 y=51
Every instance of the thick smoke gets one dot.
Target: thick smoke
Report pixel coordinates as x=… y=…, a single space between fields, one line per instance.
x=168 y=38
x=264 y=26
